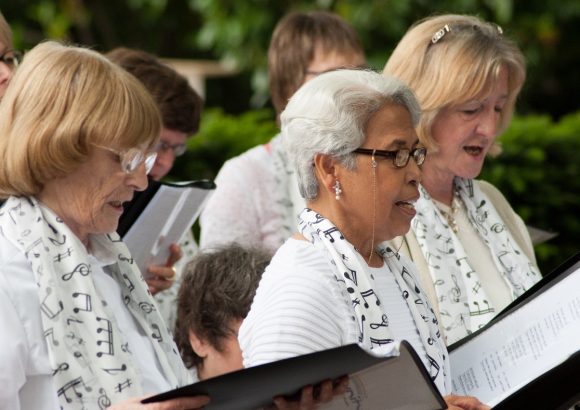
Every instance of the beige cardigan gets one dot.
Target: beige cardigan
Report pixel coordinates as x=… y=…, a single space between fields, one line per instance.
x=410 y=247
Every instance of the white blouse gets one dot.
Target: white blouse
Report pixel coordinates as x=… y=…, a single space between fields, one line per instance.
x=25 y=372
x=300 y=308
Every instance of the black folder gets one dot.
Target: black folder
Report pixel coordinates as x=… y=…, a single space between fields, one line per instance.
x=396 y=382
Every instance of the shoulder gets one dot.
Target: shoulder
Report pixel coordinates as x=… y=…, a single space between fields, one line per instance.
x=256 y=162
x=494 y=194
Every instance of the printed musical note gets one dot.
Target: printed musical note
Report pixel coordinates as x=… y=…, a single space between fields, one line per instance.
x=157 y=335
x=497 y=227
x=361 y=335
x=34 y=248
x=435 y=367
x=52 y=340
x=109 y=334
x=61 y=368
x=504 y=259
x=128 y=283
x=384 y=323
x=410 y=280
x=114 y=238
x=71 y=319
x=455 y=291
x=463 y=261
x=479 y=310
x=429 y=258
x=368 y=293
x=476 y=287
x=380 y=342
x=82 y=268
x=116 y=371
x=351 y=275
x=49 y=311
x=146 y=307
x=73 y=384
x=87 y=302
x=328 y=233
x=122 y=386
x=420 y=228
x=103 y=400
x=60 y=256
x=126 y=259
x=444 y=245
x=125 y=348
x=16 y=210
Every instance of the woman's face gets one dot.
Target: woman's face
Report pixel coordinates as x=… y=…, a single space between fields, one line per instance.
x=5 y=71
x=393 y=191
x=465 y=133
x=229 y=359
x=90 y=199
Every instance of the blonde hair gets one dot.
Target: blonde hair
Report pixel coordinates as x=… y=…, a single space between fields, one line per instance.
x=5 y=32
x=61 y=101
x=461 y=65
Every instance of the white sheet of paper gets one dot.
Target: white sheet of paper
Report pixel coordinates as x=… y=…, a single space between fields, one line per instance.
x=523 y=345
x=169 y=214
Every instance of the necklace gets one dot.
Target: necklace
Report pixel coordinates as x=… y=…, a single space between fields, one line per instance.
x=450 y=216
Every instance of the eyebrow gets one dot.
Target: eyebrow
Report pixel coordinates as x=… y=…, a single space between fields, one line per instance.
x=399 y=143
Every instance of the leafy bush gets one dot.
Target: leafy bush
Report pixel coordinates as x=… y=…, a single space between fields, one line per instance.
x=538 y=171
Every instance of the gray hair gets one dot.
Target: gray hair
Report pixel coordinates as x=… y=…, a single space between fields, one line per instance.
x=329 y=114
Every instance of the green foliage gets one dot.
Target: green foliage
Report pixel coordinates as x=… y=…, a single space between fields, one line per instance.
x=538 y=172
x=223 y=136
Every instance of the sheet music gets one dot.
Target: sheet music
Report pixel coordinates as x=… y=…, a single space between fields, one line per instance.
x=169 y=214
x=536 y=337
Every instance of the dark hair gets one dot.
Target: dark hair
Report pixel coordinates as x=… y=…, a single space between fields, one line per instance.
x=179 y=104
x=218 y=286
x=293 y=46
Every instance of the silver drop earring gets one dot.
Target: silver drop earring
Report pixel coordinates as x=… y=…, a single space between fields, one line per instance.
x=337 y=190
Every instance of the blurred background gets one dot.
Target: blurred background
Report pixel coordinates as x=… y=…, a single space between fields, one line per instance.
x=221 y=46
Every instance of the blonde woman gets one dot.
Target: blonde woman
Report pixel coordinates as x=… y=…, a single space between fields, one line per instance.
x=473 y=252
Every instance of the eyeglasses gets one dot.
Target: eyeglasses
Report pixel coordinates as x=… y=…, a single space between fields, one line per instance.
x=400 y=157
x=11 y=58
x=132 y=159
x=178 y=149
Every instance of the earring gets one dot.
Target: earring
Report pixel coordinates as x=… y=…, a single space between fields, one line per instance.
x=337 y=190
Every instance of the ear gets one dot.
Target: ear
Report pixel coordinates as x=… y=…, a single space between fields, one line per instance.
x=327 y=171
x=199 y=346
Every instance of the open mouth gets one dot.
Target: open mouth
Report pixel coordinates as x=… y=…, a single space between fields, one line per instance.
x=118 y=205
x=473 y=150
x=407 y=206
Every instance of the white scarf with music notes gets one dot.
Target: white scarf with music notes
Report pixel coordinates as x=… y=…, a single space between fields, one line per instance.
x=463 y=303
x=92 y=366
x=352 y=271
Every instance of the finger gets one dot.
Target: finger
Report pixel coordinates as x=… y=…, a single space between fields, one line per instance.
x=175 y=254
x=341 y=385
x=157 y=285
x=163 y=272
x=189 y=403
x=307 y=398
x=326 y=392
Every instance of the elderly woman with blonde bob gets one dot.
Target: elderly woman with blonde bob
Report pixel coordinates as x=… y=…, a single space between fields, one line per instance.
x=350 y=135
x=474 y=253
x=81 y=329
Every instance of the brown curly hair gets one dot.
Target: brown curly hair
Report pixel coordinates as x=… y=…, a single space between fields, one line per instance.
x=218 y=286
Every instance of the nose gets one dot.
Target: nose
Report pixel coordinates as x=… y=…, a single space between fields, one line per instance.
x=138 y=179
x=488 y=123
x=414 y=172
x=5 y=76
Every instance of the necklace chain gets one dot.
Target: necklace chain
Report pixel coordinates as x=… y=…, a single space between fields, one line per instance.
x=454 y=209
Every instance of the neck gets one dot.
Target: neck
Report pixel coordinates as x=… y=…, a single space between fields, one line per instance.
x=360 y=238
x=438 y=184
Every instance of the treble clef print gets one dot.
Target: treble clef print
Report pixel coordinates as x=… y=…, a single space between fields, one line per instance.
x=82 y=268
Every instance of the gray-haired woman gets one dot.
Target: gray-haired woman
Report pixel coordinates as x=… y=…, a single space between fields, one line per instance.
x=351 y=137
